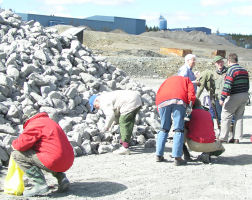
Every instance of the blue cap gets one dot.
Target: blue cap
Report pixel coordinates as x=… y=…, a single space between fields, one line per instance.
x=91 y=102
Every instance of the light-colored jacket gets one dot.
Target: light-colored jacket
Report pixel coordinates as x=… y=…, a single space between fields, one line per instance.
x=186 y=71
x=116 y=103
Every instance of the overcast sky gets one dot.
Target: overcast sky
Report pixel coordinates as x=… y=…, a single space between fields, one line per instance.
x=227 y=16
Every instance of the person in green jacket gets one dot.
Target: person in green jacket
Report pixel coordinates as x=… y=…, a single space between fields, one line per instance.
x=213 y=83
x=206 y=81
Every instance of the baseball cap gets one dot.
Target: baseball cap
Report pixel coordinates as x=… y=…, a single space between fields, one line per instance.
x=217 y=58
x=91 y=102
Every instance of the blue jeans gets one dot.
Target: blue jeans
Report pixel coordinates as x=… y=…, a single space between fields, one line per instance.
x=178 y=113
x=218 y=110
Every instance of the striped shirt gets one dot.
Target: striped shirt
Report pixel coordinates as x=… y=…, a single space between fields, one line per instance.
x=236 y=81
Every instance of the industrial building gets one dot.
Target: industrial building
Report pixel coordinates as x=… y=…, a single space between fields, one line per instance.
x=97 y=23
x=163 y=26
x=189 y=29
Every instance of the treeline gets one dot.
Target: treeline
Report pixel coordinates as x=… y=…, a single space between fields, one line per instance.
x=242 y=40
x=150 y=28
x=241 y=37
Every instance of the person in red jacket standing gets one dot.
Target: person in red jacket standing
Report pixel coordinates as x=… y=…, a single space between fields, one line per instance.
x=172 y=98
x=43 y=145
x=200 y=135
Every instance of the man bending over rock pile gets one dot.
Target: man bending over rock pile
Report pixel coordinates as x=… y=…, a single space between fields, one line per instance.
x=120 y=106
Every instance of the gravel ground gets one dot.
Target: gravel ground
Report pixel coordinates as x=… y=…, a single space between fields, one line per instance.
x=139 y=177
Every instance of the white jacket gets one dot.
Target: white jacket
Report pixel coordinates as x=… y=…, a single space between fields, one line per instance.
x=116 y=103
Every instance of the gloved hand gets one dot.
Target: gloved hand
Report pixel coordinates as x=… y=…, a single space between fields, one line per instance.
x=188 y=112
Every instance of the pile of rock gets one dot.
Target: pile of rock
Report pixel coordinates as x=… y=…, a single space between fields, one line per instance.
x=194 y=36
x=42 y=70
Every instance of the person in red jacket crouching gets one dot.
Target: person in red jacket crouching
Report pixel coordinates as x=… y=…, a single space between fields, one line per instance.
x=200 y=135
x=43 y=145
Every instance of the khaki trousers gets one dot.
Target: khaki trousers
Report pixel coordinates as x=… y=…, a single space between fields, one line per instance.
x=204 y=147
x=233 y=105
x=27 y=159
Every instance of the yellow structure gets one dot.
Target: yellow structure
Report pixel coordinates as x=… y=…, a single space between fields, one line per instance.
x=179 y=52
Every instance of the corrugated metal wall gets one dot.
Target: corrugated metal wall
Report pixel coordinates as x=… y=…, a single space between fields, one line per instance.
x=131 y=26
x=189 y=29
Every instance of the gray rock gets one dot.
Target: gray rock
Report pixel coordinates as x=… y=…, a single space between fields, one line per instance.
x=42 y=56
x=107 y=136
x=147 y=99
x=7 y=141
x=150 y=143
x=96 y=138
x=105 y=148
x=141 y=139
x=3 y=108
x=87 y=148
x=66 y=124
x=77 y=151
x=13 y=111
x=27 y=69
x=6 y=128
x=153 y=123
x=76 y=136
x=57 y=74
x=4 y=156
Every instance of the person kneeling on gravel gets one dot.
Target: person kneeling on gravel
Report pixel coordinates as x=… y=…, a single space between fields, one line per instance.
x=200 y=135
x=43 y=145
x=118 y=106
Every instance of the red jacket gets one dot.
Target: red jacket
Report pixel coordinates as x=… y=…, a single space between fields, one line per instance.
x=46 y=137
x=176 y=87
x=201 y=127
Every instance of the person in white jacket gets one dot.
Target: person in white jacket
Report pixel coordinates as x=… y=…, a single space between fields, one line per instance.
x=118 y=106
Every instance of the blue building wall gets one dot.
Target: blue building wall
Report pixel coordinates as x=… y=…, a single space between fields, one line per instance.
x=98 y=23
x=189 y=29
x=45 y=20
x=140 y=26
x=131 y=26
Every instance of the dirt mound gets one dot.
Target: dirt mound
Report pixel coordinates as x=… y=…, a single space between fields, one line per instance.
x=125 y=50
x=118 y=31
x=60 y=28
x=195 y=36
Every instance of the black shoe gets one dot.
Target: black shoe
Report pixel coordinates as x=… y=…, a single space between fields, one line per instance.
x=63 y=182
x=188 y=158
x=180 y=162
x=205 y=158
x=187 y=155
x=231 y=140
x=160 y=158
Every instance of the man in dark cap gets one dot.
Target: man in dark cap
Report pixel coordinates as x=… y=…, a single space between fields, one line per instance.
x=219 y=82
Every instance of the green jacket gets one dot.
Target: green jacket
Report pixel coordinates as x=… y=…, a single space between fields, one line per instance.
x=207 y=81
x=219 y=81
